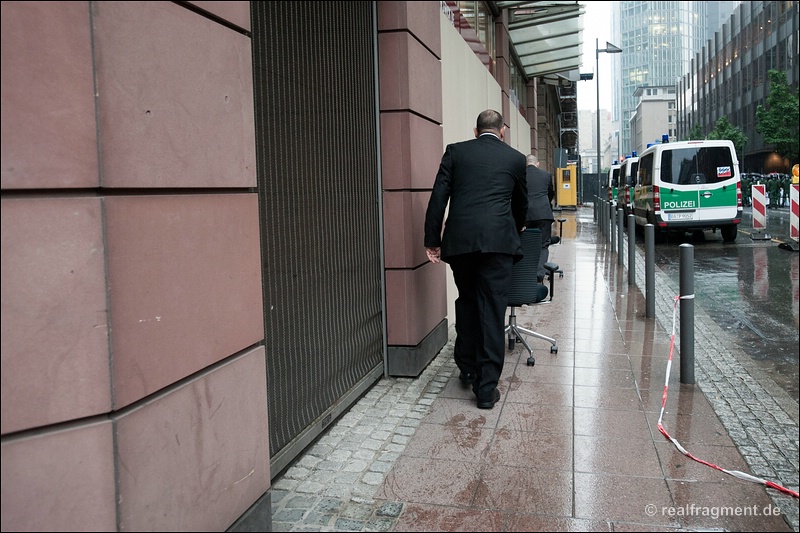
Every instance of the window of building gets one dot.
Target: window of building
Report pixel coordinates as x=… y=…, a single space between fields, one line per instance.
x=485 y=22
x=475 y=22
x=518 y=86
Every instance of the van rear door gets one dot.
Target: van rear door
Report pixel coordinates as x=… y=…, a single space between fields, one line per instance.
x=699 y=183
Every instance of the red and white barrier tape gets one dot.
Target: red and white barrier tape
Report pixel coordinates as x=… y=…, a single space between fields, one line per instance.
x=735 y=473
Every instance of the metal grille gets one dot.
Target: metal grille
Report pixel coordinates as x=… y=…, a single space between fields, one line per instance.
x=315 y=107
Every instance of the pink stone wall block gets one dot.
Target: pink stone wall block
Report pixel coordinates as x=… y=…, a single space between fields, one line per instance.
x=411 y=149
x=404 y=228
x=55 y=364
x=48 y=137
x=416 y=302
x=176 y=98
x=184 y=283
x=421 y=19
x=209 y=438
x=237 y=13
x=411 y=77
x=60 y=480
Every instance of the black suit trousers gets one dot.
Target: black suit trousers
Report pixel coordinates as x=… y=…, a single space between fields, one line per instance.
x=483 y=281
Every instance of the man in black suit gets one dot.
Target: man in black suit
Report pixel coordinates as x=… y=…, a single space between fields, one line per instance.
x=484 y=181
x=540 y=210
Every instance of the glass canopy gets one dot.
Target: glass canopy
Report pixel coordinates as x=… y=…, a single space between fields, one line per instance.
x=547 y=37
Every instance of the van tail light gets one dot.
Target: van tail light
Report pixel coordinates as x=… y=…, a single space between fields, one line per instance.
x=657 y=205
x=656 y=199
x=739 y=195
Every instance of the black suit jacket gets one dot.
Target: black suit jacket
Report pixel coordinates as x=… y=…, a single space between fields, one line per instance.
x=540 y=193
x=484 y=181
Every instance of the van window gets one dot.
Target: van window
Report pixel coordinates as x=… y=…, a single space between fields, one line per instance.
x=631 y=178
x=646 y=170
x=697 y=165
x=615 y=177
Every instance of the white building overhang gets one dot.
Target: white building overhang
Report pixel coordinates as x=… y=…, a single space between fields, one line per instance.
x=547 y=37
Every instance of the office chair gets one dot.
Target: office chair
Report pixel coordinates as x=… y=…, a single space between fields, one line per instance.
x=526 y=290
x=552 y=268
x=560 y=230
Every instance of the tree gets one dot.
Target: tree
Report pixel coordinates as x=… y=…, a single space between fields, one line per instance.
x=778 y=121
x=723 y=129
x=696 y=133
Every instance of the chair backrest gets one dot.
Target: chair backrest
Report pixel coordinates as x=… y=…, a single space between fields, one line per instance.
x=524 y=286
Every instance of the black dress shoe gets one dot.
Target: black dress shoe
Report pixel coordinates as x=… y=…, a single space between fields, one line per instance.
x=489 y=404
x=467 y=378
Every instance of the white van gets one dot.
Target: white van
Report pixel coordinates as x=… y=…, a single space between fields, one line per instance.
x=627 y=180
x=612 y=185
x=689 y=186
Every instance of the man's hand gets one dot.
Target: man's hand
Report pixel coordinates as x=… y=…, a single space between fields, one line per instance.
x=434 y=254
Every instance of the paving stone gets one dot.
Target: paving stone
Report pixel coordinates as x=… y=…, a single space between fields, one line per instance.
x=345 y=467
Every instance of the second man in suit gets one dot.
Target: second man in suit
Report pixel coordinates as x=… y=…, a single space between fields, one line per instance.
x=540 y=209
x=483 y=180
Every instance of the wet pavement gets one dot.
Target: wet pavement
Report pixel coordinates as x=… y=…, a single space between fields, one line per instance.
x=749 y=288
x=573 y=444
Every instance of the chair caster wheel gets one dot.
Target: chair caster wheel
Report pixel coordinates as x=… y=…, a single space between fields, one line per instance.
x=554 y=349
x=531 y=361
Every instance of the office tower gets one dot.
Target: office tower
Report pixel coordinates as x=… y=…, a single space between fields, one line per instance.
x=658 y=41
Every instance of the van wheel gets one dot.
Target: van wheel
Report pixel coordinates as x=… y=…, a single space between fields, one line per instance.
x=729 y=232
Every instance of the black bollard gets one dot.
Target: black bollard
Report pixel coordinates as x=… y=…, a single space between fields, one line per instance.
x=650 y=270
x=687 y=313
x=631 y=249
x=620 y=233
x=612 y=232
x=603 y=218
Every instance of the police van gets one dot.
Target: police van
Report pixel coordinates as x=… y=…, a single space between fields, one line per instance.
x=627 y=179
x=612 y=184
x=689 y=186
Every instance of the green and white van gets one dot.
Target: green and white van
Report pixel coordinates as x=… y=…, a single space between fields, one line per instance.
x=627 y=179
x=689 y=186
x=612 y=186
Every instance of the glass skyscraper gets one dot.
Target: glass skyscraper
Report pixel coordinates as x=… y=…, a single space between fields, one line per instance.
x=658 y=41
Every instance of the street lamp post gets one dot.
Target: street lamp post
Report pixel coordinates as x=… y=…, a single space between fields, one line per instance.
x=588 y=76
x=609 y=49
